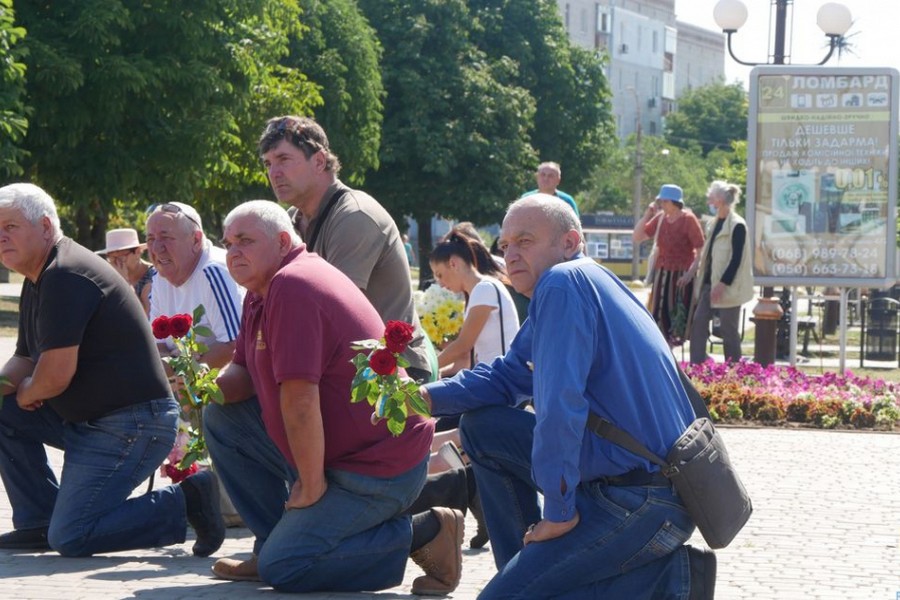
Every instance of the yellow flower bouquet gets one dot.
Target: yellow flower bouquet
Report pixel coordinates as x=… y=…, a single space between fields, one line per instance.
x=441 y=313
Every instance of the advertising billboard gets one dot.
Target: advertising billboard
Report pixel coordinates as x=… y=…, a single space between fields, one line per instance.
x=822 y=175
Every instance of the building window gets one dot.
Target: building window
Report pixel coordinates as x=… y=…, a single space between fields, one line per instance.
x=584 y=20
x=602 y=19
x=567 y=16
x=652 y=127
x=655 y=42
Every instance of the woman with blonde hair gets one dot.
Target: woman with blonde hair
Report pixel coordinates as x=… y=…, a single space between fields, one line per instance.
x=724 y=277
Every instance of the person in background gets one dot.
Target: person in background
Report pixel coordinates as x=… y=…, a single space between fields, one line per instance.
x=86 y=378
x=610 y=524
x=123 y=251
x=725 y=276
x=464 y=265
x=679 y=240
x=410 y=253
x=548 y=176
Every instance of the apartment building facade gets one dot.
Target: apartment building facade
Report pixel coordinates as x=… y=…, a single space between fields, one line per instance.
x=654 y=57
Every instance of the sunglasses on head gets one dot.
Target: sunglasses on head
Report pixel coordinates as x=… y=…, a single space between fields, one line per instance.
x=290 y=130
x=172 y=209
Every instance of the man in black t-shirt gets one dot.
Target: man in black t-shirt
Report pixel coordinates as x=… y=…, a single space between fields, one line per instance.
x=86 y=378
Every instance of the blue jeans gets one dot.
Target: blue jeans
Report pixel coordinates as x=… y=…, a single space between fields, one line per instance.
x=88 y=511
x=629 y=542
x=353 y=539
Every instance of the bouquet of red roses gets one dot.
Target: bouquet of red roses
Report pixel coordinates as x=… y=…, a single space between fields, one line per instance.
x=194 y=381
x=378 y=379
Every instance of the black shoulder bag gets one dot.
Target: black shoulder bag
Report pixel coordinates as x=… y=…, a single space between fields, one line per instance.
x=700 y=470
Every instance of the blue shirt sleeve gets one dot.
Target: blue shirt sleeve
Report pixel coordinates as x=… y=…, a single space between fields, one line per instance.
x=507 y=381
x=564 y=341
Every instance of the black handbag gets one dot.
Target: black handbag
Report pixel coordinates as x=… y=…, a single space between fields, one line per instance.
x=699 y=469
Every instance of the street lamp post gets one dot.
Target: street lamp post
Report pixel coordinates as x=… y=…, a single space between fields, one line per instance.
x=636 y=203
x=834 y=20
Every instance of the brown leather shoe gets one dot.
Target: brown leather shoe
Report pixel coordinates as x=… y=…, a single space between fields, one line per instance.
x=441 y=558
x=236 y=570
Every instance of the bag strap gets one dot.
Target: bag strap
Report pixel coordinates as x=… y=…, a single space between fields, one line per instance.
x=658 y=226
x=500 y=307
x=337 y=195
x=620 y=437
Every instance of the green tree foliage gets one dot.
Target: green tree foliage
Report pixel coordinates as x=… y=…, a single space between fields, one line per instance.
x=731 y=165
x=611 y=187
x=145 y=102
x=340 y=53
x=455 y=137
x=709 y=117
x=573 y=122
x=13 y=116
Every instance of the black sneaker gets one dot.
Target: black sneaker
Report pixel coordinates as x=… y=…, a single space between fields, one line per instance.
x=25 y=539
x=703 y=573
x=203 y=511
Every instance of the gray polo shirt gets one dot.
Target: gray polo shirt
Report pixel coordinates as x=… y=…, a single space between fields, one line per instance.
x=360 y=238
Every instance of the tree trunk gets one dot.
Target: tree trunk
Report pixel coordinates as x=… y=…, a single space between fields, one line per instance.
x=425 y=247
x=90 y=226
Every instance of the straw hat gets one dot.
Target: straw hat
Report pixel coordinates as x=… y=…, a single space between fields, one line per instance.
x=121 y=239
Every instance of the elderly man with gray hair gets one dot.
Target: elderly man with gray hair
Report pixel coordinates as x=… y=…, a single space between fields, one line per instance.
x=191 y=272
x=322 y=488
x=86 y=378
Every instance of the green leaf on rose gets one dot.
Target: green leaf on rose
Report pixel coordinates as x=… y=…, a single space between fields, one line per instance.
x=419 y=406
x=198 y=314
x=203 y=331
x=365 y=345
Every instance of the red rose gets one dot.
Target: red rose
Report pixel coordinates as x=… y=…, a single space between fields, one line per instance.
x=180 y=325
x=397 y=335
x=383 y=362
x=177 y=475
x=162 y=327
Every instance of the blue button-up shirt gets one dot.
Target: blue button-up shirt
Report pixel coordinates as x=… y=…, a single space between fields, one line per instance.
x=588 y=344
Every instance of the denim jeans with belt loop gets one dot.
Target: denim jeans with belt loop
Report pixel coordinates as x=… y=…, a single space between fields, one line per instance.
x=89 y=511
x=628 y=544
x=354 y=538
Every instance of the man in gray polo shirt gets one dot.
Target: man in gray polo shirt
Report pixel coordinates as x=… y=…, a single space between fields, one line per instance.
x=346 y=227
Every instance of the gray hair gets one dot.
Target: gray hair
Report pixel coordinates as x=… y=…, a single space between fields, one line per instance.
x=272 y=218
x=33 y=202
x=556 y=210
x=180 y=212
x=553 y=165
x=727 y=191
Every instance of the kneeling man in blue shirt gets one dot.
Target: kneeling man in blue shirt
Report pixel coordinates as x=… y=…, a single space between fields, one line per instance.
x=612 y=526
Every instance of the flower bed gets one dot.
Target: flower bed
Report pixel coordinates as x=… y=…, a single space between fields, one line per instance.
x=747 y=391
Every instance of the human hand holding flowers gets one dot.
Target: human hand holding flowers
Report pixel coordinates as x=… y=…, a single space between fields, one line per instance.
x=195 y=384
x=377 y=378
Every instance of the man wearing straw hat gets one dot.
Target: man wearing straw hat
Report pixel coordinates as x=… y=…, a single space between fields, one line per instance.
x=123 y=251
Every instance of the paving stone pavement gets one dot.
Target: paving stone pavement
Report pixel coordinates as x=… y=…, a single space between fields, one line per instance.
x=826 y=526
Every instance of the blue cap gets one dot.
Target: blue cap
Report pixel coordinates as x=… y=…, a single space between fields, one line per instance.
x=671 y=193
